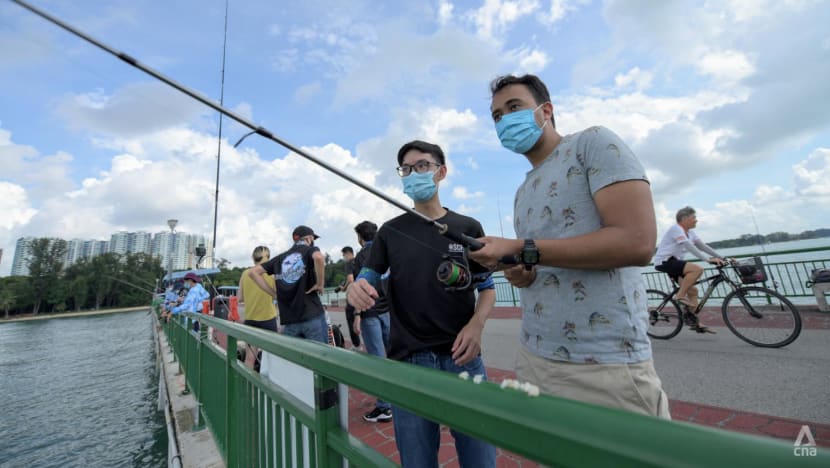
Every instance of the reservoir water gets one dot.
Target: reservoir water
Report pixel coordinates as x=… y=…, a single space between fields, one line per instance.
x=80 y=392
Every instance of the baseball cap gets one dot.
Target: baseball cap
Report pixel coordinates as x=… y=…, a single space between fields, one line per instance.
x=192 y=276
x=302 y=231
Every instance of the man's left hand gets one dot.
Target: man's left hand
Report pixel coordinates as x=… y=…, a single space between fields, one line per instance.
x=467 y=344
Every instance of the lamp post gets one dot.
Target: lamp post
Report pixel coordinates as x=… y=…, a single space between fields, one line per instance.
x=172 y=223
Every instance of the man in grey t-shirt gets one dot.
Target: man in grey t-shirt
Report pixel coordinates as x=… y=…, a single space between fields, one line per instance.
x=584 y=219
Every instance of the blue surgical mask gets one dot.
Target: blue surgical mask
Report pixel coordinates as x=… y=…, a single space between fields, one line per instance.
x=419 y=187
x=518 y=130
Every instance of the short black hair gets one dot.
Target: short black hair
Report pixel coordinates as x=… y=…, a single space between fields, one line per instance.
x=535 y=85
x=366 y=231
x=347 y=249
x=423 y=147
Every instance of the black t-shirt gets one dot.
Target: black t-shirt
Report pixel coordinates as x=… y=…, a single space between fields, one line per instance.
x=424 y=315
x=294 y=272
x=381 y=304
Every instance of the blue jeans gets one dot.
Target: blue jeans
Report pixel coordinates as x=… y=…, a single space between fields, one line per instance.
x=375 y=331
x=315 y=329
x=418 y=439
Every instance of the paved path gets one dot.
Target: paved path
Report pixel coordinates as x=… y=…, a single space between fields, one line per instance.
x=712 y=380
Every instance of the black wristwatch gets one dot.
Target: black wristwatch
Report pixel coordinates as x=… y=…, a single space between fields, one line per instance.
x=529 y=255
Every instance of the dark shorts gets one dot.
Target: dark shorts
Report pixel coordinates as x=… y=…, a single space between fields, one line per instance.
x=672 y=267
x=264 y=324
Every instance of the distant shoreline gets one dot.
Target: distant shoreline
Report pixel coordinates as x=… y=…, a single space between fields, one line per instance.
x=29 y=317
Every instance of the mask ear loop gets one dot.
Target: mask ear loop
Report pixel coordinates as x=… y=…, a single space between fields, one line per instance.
x=534 y=116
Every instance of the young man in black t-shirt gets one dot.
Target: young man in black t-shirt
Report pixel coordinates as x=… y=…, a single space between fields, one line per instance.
x=299 y=274
x=430 y=326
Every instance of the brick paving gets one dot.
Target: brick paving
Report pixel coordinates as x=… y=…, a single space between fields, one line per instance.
x=381 y=436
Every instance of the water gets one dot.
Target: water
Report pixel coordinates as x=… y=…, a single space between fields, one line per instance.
x=782 y=246
x=80 y=392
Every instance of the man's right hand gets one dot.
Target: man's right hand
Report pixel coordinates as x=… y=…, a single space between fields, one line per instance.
x=361 y=295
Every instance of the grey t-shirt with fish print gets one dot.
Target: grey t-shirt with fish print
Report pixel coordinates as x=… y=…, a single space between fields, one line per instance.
x=580 y=316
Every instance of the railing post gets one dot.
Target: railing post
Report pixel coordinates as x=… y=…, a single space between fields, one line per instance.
x=200 y=371
x=326 y=418
x=230 y=401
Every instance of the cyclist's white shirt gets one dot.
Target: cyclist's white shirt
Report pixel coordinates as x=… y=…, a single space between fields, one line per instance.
x=580 y=316
x=673 y=244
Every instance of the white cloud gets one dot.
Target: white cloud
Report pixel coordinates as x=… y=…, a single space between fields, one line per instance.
x=639 y=79
x=14 y=205
x=730 y=66
x=463 y=193
x=495 y=16
x=132 y=110
x=560 y=8
x=307 y=92
x=445 y=9
x=812 y=176
x=532 y=61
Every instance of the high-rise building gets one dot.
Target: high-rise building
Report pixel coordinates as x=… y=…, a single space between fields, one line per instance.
x=119 y=242
x=22 y=253
x=74 y=251
x=179 y=246
x=140 y=242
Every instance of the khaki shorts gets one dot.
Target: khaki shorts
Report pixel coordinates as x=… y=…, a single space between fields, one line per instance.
x=633 y=387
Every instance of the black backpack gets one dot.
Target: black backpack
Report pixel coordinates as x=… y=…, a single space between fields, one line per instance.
x=819 y=275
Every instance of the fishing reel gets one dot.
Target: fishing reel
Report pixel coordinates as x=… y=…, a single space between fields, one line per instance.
x=455 y=274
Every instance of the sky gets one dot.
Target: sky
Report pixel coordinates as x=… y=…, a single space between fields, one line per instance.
x=724 y=102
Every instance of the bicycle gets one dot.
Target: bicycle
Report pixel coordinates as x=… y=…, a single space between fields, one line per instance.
x=756 y=314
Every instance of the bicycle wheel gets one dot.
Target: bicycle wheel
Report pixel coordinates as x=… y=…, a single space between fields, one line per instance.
x=664 y=318
x=761 y=317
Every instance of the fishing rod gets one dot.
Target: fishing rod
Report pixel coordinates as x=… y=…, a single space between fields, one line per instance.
x=219 y=139
x=443 y=229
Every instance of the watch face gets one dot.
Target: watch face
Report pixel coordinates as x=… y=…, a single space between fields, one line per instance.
x=530 y=257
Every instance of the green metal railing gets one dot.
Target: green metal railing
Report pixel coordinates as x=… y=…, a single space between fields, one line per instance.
x=257 y=423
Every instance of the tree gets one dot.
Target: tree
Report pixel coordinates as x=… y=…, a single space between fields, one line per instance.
x=79 y=290
x=15 y=294
x=103 y=269
x=223 y=264
x=45 y=266
x=7 y=298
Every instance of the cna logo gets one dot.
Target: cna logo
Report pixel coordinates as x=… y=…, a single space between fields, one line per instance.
x=802 y=449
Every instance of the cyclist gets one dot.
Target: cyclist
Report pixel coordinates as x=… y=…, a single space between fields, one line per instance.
x=669 y=259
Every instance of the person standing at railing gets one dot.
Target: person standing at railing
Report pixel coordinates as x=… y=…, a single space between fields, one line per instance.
x=584 y=219
x=373 y=323
x=196 y=293
x=430 y=325
x=348 y=259
x=676 y=242
x=300 y=278
x=260 y=311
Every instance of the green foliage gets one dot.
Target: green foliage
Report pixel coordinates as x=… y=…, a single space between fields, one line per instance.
x=335 y=272
x=45 y=266
x=108 y=280
x=227 y=277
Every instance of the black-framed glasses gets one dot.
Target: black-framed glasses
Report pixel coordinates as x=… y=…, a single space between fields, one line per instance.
x=420 y=167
